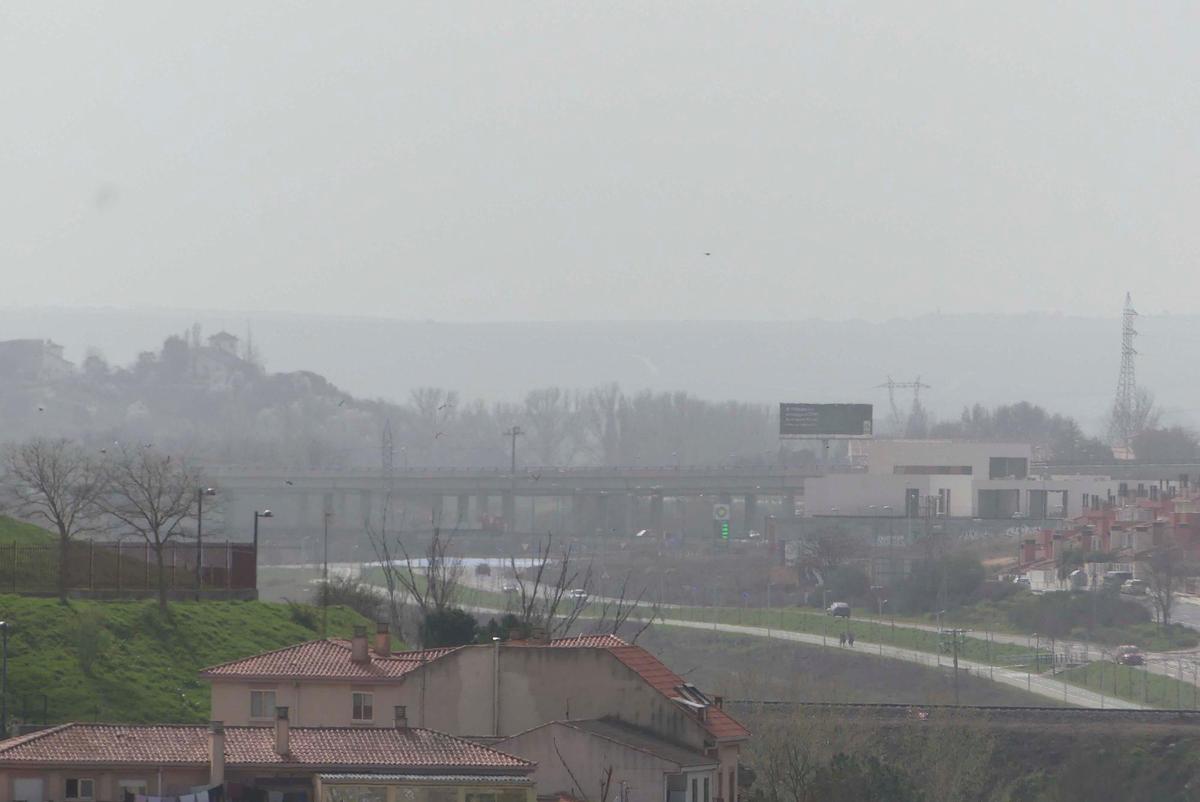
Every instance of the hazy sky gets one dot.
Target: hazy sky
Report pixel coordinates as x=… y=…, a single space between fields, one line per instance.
x=511 y=160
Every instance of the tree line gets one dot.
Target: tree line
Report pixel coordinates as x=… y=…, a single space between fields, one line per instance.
x=77 y=492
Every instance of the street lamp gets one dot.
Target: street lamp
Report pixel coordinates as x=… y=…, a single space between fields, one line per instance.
x=201 y=492
x=4 y=627
x=257 y=515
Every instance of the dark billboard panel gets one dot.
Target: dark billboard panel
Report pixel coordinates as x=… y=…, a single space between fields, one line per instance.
x=825 y=420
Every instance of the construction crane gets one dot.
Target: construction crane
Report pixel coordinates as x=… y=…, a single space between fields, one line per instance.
x=892 y=386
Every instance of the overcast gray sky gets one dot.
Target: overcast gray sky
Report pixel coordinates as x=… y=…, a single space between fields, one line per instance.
x=514 y=160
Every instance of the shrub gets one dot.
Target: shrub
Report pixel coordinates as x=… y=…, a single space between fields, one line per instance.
x=451 y=627
x=1058 y=613
x=303 y=614
x=92 y=638
x=349 y=592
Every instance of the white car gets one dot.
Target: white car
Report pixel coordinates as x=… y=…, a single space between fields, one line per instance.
x=579 y=594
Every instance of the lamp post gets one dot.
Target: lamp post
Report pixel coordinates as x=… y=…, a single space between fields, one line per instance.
x=201 y=492
x=257 y=515
x=325 y=581
x=4 y=627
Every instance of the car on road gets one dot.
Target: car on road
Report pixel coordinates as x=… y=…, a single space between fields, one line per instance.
x=1134 y=587
x=578 y=594
x=1130 y=655
x=839 y=609
x=509 y=587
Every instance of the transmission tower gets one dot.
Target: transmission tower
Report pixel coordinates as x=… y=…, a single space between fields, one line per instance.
x=892 y=387
x=1121 y=427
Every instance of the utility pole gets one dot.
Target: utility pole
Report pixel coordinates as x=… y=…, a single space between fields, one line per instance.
x=513 y=434
x=325 y=581
x=1122 y=424
x=954 y=635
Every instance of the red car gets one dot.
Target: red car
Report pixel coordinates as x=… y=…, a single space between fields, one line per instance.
x=1130 y=656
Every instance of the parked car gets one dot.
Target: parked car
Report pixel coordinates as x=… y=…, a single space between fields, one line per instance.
x=509 y=588
x=1134 y=587
x=839 y=609
x=1130 y=656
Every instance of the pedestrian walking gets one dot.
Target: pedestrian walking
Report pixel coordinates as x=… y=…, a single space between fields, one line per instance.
x=850 y=637
x=842 y=639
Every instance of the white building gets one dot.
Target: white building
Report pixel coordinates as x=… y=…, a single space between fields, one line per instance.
x=954 y=479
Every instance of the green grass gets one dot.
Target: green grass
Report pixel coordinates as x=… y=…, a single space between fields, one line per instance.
x=21 y=533
x=815 y=623
x=1135 y=685
x=125 y=661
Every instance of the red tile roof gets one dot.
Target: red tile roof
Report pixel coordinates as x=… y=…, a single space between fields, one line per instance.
x=655 y=672
x=323 y=659
x=412 y=750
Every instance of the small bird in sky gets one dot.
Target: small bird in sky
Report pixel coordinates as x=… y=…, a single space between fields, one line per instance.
x=708 y=253
x=41 y=408
x=288 y=482
x=535 y=476
x=340 y=403
x=439 y=434
x=446 y=405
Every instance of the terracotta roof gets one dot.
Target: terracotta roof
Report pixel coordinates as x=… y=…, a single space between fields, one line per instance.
x=620 y=732
x=323 y=659
x=413 y=749
x=655 y=672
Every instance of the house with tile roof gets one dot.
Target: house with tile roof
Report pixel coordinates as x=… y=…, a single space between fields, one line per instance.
x=484 y=691
x=116 y=763
x=582 y=758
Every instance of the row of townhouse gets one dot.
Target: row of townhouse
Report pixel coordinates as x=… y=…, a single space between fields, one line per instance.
x=352 y=721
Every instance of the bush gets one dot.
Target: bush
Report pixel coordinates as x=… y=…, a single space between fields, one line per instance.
x=92 y=638
x=847 y=582
x=349 y=592
x=1058 y=614
x=303 y=614
x=952 y=581
x=451 y=627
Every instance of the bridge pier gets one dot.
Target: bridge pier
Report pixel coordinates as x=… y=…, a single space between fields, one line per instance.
x=463 y=512
x=482 y=506
x=509 y=510
x=436 y=507
x=656 y=514
x=602 y=522
x=629 y=518
x=750 y=512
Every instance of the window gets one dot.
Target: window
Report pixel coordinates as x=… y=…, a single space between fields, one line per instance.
x=364 y=706
x=262 y=704
x=79 y=788
x=706 y=790
x=695 y=790
x=130 y=789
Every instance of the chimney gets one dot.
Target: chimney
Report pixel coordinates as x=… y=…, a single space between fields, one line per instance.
x=282 y=732
x=383 y=640
x=216 y=753
x=358 y=646
x=401 y=717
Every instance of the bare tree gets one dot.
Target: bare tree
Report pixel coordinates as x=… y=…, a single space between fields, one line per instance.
x=151 y=494
x=578 y=789
x=378 y=537
x=615 y=612
x=58 y=482
x=556 y=592
x=435 y=589
x=1165 y=579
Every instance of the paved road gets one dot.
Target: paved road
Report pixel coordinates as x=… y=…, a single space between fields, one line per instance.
x=1041 y=685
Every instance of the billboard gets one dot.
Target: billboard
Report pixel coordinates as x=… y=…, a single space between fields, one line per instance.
x=821 y=421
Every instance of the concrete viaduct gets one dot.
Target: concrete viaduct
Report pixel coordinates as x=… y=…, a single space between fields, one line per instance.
x=586 y=499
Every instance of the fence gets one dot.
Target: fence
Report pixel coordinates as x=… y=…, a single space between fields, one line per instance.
x=130 y=568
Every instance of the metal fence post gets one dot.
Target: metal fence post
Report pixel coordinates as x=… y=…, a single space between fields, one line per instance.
x=91 y=565
x=228 y=565
x=118 y=568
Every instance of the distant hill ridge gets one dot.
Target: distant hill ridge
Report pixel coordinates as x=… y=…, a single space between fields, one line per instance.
x=1067 y=364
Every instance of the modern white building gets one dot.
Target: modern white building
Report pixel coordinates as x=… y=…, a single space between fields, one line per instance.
x=912 y=478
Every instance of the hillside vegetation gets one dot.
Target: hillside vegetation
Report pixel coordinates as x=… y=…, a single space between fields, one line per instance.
x=127 y=662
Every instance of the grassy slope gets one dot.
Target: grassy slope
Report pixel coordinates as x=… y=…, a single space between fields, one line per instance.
x=14 y=531
x=145 y=665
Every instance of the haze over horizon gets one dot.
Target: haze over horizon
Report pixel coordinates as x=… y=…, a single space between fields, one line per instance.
x=679 y=161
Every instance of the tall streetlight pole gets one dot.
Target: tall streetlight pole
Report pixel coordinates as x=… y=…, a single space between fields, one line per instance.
x=325 y=581
x=4 y=627
x=257 y=515
x=513 y=434
x=201 y=492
